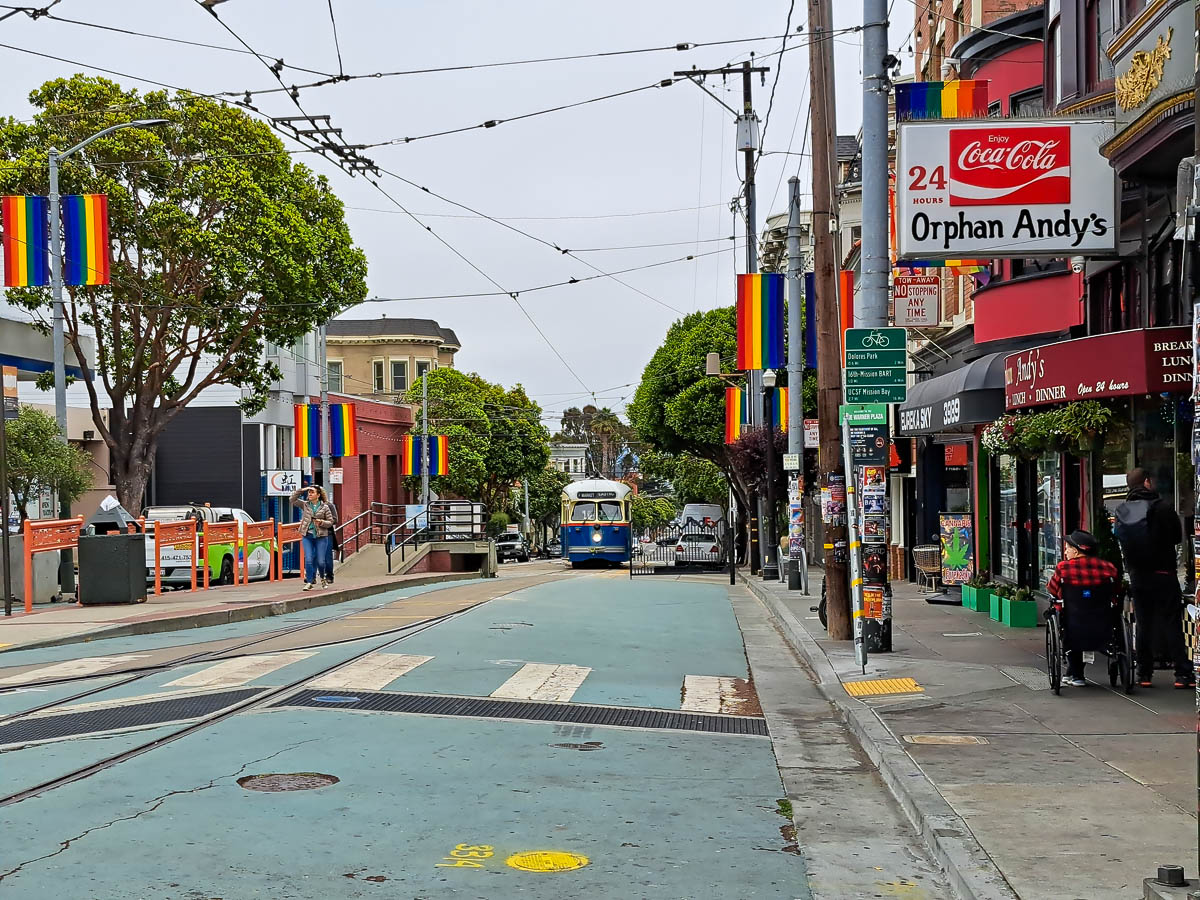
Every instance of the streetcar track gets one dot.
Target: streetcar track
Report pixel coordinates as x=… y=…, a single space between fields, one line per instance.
x=258 y=700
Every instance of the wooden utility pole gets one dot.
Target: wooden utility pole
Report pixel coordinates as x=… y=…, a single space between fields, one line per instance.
x=829 y=350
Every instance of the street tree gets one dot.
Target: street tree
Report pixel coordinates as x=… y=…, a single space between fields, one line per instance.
x=606 y=436
x=38 y=461
x=495 y=433
x=692 y=480
x=651 y=512
x=545 y=499
x=219 y=243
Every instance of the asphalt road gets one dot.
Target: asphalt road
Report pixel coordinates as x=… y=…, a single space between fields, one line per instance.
x=545 y=734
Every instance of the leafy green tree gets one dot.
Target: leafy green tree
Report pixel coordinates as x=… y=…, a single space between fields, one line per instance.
x=545 y=499
x=692 y=480
x=606 y=436
x=38 y=461
x=496 y=435
x=651 y=512
x=219 y=242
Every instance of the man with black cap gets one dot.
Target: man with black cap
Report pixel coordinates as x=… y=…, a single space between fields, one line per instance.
x=1082 y=568
x=1148 y=529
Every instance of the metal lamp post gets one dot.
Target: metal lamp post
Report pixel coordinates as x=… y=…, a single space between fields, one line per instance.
x=770 y=550
x=66 y=571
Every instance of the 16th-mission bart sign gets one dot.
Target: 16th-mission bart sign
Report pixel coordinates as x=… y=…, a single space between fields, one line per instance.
x=1003 y=187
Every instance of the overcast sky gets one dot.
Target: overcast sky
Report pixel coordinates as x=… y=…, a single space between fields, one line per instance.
x=574 y=178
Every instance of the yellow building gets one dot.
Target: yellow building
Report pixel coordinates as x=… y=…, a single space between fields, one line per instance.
x=385 y=356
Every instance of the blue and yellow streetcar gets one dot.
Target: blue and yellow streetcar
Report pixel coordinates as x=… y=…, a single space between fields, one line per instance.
x=595 y=521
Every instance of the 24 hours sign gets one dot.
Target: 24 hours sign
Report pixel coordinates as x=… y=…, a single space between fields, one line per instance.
x=969 y=189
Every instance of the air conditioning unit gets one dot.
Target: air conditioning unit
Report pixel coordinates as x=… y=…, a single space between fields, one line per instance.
x=89 y=435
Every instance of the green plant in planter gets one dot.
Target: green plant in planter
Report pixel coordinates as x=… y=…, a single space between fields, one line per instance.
x=1083 y=423
x=1020 y=610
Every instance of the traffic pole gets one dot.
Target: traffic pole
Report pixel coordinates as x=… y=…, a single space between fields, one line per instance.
x=795 y=411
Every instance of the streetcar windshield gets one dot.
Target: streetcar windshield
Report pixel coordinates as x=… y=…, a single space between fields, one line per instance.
x=583 y=512
x=609 y=512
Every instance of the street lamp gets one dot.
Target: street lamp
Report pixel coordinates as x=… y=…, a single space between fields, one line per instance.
x=770 y=551
x=66 y=571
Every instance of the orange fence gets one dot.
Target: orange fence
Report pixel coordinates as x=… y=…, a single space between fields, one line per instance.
x=219 y=533
x=253 y=533
x=168 y=534
x=47 y=534
x=288 y=534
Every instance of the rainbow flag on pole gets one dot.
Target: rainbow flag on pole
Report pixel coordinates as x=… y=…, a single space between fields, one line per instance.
x=26 y=241
x=308 y=429
x=343 y=432
x=779 y=409
x=737 y=411
x=85 y=246
x=439 y=454
x=964 y=99
x=760 y=321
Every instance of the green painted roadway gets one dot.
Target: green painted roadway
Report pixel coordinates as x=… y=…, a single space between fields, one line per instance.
x=431 y=807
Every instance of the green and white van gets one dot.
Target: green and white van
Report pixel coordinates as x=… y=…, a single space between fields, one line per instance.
x=224 y=559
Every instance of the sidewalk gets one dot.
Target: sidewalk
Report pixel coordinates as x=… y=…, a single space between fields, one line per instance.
x=67 y=623
x=1018 y=791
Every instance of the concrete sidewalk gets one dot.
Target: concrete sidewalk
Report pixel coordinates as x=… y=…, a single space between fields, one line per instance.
x=66 y=623
x=1019 y=792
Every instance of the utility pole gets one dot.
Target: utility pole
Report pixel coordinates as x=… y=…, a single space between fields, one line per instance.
x=66 y=562
x=748 y=143
x=326 y=431
x=425 y=442
x=829 y=362
x=795 y=369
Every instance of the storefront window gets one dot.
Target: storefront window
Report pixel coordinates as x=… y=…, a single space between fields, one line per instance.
x=1154 y=441
x=1008 y=518
x=1049 y=513
x=958 y=478
x=1116 y=459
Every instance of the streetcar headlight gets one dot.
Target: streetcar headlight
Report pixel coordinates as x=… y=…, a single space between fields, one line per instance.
x=596 y=536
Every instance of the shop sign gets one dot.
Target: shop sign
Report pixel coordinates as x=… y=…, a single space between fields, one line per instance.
x=1120 y=364
x=282 y=482
x=958 y=547
x=1007 y=188
x=917 y=299
x=863 y=413
x=956 y=455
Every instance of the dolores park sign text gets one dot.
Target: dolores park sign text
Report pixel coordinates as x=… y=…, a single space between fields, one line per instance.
x=1004 y=188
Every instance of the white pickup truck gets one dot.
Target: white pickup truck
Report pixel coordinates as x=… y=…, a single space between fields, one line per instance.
x=223 y=559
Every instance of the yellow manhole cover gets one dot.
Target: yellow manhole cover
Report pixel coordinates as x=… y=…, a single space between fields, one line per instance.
x=882 y=686
x=547 y=861
x=944 y=739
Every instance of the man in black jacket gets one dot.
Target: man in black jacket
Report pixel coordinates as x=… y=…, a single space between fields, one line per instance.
x=1149 y=530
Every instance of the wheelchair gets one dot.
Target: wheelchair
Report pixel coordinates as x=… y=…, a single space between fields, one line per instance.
x=1096 y=620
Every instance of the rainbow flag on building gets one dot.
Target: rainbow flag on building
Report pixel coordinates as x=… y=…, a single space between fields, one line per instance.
x=962 y=99
x=343 y=431
x=760 y=324
x=439 y=454
x=85 y=239
x=26 y=240
x=737 y=411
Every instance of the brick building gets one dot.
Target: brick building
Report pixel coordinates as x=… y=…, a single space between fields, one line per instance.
x=373 y=475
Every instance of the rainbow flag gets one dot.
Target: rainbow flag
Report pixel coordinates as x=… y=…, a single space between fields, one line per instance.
x=964 y=99
x=958 y=266
x=439 y=454
x=308 y=429
x=85 y=246
x=410 y=455
x=779 y=409
x=26 y=241
x=343 y=434
x=760 y=321
x=737 y=413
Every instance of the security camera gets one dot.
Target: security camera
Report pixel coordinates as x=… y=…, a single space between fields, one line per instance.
x=1077 y=264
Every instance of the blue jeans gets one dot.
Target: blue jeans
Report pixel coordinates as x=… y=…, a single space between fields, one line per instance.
x=327 y=559
x=315 y=551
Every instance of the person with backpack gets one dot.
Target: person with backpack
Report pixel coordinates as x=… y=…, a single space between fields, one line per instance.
x=1148 y=530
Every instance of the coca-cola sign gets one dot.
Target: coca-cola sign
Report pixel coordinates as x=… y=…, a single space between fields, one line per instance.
x=1007 y=188
x=1015 y=165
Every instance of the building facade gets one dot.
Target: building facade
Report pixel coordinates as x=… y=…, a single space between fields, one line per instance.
x=385 y=357
x=570 y=458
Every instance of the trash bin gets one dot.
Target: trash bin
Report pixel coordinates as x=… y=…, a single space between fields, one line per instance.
x=112 y=561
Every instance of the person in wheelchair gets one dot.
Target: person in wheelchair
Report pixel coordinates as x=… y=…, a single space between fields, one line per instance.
x=1085 y=589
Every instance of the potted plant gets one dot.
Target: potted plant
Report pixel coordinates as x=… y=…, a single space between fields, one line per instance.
x=1083 y=424
x=976 y=592
x=1020 y=610
x=996 y=600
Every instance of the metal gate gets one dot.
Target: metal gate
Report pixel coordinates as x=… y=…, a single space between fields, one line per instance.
x=682 y=549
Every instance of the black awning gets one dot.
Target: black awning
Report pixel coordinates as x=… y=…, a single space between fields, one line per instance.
x=968 y=396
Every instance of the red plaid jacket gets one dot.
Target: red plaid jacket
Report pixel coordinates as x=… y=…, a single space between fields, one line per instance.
x=1082 y=571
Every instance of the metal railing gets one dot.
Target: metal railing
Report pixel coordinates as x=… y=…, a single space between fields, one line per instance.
x=444 y=520
x=371 y=526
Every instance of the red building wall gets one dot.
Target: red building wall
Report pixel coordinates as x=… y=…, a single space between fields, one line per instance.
x=373 y=475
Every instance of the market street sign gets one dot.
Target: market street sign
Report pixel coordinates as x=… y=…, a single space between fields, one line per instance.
x=876 y=365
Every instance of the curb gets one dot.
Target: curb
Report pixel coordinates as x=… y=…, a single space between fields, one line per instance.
x=972 y=873
x=246 y=613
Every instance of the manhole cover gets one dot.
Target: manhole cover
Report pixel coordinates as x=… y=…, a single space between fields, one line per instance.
x=289 y=781
x=586 y=745
x=546 y=861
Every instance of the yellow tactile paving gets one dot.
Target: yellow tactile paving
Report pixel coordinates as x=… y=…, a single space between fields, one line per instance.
x=877 y=686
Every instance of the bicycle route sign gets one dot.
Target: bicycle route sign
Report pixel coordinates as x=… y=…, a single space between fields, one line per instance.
x=876 y=365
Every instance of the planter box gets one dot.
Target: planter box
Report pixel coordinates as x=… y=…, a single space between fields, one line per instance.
x=1020 y=613
x=994 y=607
x=977 y=599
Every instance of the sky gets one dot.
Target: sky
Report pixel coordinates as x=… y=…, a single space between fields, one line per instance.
x=604 y=180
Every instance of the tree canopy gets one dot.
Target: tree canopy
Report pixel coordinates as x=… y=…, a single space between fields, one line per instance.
x=606 y=436
x=39 y=461
x=219 y=242
x=496 y=435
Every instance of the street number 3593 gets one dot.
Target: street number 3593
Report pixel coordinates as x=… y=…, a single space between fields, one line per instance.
x=466 y=856
x=923 y=179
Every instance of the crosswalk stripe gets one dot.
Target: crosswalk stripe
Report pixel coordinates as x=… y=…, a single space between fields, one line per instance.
x=71 y=668
x=235 y=672
x=543 y=681
x=710 y=694
x=371 y=673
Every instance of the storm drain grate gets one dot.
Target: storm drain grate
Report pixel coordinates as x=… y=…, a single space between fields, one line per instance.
x=132 y=715
x=491 y=708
